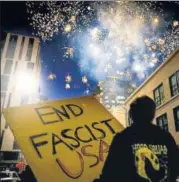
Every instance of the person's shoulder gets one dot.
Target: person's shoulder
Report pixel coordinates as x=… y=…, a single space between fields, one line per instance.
x=159 y=130
x=163 y=133
x=124 y=132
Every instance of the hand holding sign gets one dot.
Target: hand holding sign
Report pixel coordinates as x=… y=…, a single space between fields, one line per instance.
x=64 y=140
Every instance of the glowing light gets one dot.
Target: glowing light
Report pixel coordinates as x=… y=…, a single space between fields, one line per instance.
x=95 y=50
x=138 y=67
x=113 y=101
x=101 y=93
x=151 y=64
x=147 y=42
x=100 y=83
x=69 y=52
x=67 y=28
x=118 y=72
x=25 y=82
x=153 y=55
x=155 y=60
x=51 y=76
x=95 y=34
x=114 y=78
x=87 y=91
x=133 y=85
x=161 y=41
x=73 y=19
x=67 y=86
x=68 y=78
x=154 y=47
x=175 y=23
x=84 y=79
x=124 y=31
x=156 y=20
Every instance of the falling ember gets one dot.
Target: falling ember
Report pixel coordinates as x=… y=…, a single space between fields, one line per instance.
x=69 y=52
x=84 y=79
x=175 y=23
x=100 y=83
x=151 y=64
x=156 y=20
x=154 y=47
x=68 y=78
x=87 y=91
x=161 y=41
x=73 y=19
x=155 y=60
x=68 y=28
x=67 y=86
x=130 y=90
x=114 y=78
x=95 y=34
x=51 y=76
x=147 y=42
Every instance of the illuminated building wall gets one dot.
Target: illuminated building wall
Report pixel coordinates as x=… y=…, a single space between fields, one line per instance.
x=20 y=73
x=163 y=87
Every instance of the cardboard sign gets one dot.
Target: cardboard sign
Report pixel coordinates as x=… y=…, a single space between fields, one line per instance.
x=66 y=140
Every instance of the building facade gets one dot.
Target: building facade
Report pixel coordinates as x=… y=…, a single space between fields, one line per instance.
x=163 y=87
x=20 y=74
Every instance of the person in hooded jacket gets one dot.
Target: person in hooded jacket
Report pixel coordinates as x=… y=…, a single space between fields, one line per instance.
x=142 y=152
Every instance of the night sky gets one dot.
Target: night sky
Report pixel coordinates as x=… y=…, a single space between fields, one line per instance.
x=14 y=18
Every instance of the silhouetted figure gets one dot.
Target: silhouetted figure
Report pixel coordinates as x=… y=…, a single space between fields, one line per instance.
x=142 y=152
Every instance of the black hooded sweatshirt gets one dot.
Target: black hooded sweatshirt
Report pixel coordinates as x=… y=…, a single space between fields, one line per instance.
x=141 y=154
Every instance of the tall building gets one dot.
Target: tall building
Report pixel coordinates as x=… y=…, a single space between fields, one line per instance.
x=163 y=87
x=20 y=74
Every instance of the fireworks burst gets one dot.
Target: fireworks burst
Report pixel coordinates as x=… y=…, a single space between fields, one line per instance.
x=84 y=79
x=52 y=17
x=69 y=52
x=132 y=46
x=68 y=79
x=122 y=40
x=51 y=76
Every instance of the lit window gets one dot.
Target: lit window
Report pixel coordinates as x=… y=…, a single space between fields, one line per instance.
x=174 y=83
x=162 y=122
x=159 y=95
x=176 y=117
x=8 y=66
x=11 y=46
x=30 y=67
x=4 y=82
x=21 y=48
x=29 y=50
